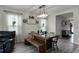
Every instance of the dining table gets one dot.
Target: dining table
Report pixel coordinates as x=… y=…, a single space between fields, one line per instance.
x=46 y=38
x=36 y=39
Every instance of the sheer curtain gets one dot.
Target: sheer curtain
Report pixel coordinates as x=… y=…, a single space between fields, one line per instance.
x=14 y=23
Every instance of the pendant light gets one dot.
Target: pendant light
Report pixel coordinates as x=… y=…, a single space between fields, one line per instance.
x=42 y=12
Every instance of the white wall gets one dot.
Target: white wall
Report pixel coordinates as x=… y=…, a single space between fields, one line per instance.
x=59 y=24
x=76 y=26
x=27 y=28
x=2 y=22
x=51 y=23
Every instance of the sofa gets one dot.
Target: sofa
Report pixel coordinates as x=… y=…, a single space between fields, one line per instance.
x=7 y=41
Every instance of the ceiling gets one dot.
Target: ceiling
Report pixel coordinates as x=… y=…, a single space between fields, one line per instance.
x=18 y=7
x=35 y=8
x=67 y=15
x=24 y=7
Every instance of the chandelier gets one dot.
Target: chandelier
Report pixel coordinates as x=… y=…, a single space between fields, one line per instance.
x=42 y=12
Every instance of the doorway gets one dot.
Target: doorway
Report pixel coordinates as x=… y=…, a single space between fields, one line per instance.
x=65 y=26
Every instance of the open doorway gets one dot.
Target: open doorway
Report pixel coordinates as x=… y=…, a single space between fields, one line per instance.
x=65 y=26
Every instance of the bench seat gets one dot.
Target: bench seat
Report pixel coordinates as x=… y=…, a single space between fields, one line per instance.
x=39 y=45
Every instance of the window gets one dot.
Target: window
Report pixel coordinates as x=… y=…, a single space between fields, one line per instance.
x=43 y=24
x=14 y=22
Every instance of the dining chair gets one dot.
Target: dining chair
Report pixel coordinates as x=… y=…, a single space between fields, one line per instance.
x=54 y=42
x=50 y=34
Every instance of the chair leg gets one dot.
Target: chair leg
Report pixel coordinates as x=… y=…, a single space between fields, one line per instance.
x=56 y=47
x=53 y=47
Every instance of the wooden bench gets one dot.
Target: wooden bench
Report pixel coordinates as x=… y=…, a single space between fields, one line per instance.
x=37 y=43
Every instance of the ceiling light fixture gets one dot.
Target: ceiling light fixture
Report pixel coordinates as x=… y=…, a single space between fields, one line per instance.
x=42 y=11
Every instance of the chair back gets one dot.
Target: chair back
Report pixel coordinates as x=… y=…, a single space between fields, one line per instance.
x=50 y=34
x=55 y=38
